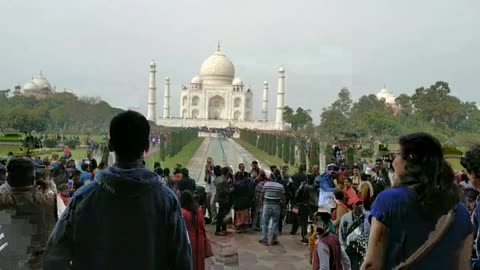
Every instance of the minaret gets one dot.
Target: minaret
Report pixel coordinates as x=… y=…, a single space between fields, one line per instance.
x=166 y=99
x=265 y=102
x=152 y=93
x=280 y=98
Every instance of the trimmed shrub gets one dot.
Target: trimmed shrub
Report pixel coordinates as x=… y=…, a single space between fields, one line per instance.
x=367 y=152
x=72 y=144
x=50 y=143
x=452 y=151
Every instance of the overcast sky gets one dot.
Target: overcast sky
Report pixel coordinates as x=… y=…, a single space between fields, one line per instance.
x=103 y=48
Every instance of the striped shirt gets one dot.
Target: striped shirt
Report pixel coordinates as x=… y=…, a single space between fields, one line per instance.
x=273 y=192
x=3 y=240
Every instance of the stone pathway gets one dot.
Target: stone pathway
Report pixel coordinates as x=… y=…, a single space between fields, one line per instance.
x=242 y=251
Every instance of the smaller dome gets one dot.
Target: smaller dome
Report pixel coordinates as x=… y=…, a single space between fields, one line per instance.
x=152 y=64
x=237 y=81
x=197 y=80
x=281 y=69
x=167 y=79
x=30 y=86
x=265 y=83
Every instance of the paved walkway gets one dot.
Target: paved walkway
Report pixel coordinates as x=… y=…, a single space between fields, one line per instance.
x=242 y=251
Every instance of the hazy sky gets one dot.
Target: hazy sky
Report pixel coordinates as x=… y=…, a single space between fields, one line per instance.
x=103 y=48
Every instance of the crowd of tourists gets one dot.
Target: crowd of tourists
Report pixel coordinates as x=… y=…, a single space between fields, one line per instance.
x=411 y=212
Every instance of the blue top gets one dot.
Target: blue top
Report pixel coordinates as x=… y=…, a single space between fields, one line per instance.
x=326 y=183
x=397 y=209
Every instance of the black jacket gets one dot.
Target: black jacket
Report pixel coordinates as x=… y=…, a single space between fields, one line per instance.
x=125 y=219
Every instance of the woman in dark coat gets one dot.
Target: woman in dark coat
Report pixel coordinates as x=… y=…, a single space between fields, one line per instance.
x=242 y=201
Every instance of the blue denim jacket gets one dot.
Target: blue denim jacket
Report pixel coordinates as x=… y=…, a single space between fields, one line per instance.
x=125 y=219
x=326 y=183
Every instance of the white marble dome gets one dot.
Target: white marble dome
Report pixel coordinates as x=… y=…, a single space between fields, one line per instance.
x=30 y=86
x=217 y=69
x=237 y=81
x=387 y=95
x=196 y=80
x=42 y=82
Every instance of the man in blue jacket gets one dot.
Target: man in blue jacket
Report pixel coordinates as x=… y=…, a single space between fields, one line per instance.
x=126 y=218
x=326 y=183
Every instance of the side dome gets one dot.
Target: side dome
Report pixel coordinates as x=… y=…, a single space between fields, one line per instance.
x=237 y=81
x=30 y=86
x=217 y=69
x=42 y=82
x=196 y=80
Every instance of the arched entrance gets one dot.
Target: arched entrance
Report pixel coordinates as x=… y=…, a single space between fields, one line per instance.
x=236 y=115
x=216 y=106
x=195 y=114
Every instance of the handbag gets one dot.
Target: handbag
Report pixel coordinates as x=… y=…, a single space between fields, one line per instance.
x=441 y=228
x=291 y=216
x=208 y=247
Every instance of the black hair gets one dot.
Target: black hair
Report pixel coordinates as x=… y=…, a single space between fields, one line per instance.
x=302 y=168
x=177 y=171
x=310 y=179
x=277 y=173
x=21 y=172
x=156 y=164
x=101 y=165
x=379 y=160
x=166 y=172
x=471 y=160
x=93 y=164
x=217 y=170
x=188 y=203
x=129 y=132
x=356 y=167
x=429 y=174
x=225 y=171
x=339 y=195
x=239 y=176
x=84 y=166
x=184 y=171
x=158 y=170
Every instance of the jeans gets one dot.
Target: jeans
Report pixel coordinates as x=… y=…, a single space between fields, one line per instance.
x=270 y=211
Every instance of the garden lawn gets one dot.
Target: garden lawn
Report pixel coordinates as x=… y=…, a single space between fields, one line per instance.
x=182 y=157
x=264 y=157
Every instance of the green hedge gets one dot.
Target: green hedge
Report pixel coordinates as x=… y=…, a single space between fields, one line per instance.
x=10 y=139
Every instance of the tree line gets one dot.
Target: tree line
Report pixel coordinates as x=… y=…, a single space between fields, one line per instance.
x=430 y=109
x=59 y=113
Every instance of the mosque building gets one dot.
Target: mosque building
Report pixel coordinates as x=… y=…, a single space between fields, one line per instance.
x=39 y=87
x=216 y=98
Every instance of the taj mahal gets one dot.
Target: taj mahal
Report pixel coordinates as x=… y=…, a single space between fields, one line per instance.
x=216 y=98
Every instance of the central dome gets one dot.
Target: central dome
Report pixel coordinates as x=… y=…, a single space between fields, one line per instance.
x=42 y=82
x=217 y=69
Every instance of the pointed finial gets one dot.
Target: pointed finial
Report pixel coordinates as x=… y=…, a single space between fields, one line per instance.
x=218 y=46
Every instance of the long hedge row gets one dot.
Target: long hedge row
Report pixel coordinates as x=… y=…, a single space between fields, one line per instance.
x=285 y=145
x=172 y=141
